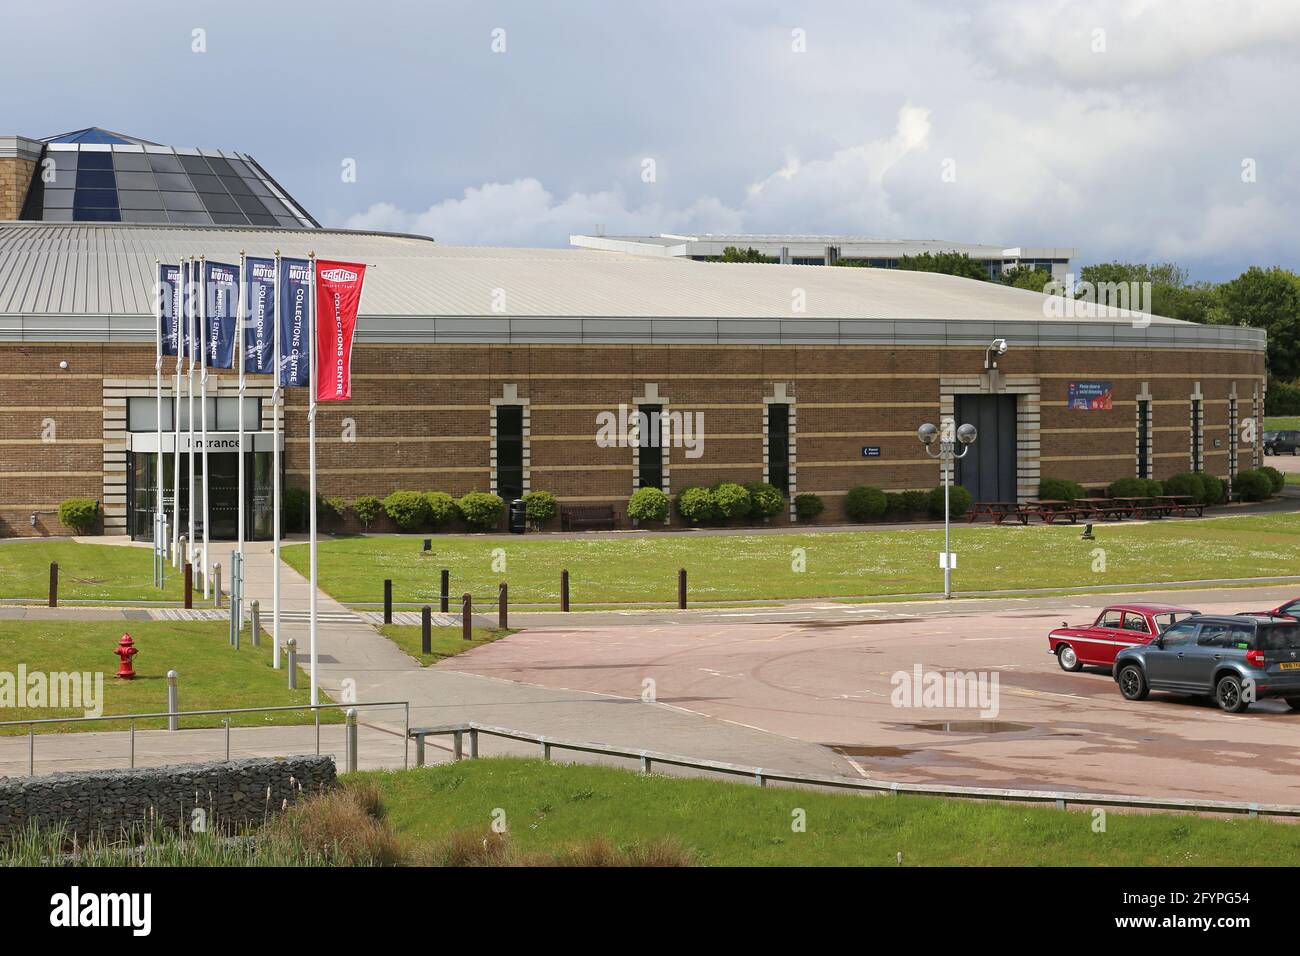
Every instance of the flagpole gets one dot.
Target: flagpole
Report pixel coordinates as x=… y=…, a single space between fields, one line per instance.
x=190 y=545
x=159 y=538
x=311 y=458
x=276 y=394
x=203 y=414
x=239 y=321
x=176 y=417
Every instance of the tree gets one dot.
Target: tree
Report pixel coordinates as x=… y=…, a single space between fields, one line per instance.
x=1268 y=299
x=949 y=263
x=734 y=254
x=1026 y=277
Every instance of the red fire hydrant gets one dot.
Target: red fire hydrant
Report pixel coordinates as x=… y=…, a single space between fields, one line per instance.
x=126 y=650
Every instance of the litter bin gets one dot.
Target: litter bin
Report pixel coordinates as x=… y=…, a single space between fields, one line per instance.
x=518 y=517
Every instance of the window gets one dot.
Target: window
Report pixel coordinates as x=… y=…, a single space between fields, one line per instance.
x=223 y=414
x=1165 y=621
x=1109 y=619
x=1144 y=438
x=1180 y=634
x=510 y=451
x=1215 y=635
x=1136 y=622
x=778 y=446
x=1198 y=460
x=650 y=456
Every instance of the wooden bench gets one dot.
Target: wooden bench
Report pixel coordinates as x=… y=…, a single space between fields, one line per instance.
x=573 y=517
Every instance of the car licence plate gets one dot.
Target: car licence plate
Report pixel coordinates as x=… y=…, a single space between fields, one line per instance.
x=1290 y=666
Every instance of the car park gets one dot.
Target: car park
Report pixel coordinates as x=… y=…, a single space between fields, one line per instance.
x=1285 y=442
x=1266 y=439
x=1236 y=659
x=1117 y=627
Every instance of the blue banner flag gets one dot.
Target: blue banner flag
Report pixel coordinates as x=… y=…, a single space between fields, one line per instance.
x=259 y=316
x=187 y=298
x=221 y=295
x=169 y=300
x=295 y=328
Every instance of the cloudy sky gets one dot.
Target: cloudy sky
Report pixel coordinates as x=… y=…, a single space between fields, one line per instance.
x=1153 y=130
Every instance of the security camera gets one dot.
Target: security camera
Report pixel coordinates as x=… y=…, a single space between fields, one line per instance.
x=63 y=364
x=1000 y=346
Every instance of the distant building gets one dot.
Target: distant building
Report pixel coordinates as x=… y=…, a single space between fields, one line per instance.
x=829 y=250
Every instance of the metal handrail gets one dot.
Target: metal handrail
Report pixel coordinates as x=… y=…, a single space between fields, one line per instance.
x=315 y=708
x=1059 y=798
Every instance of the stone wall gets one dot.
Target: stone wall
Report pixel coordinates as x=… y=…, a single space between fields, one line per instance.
x=232 y=794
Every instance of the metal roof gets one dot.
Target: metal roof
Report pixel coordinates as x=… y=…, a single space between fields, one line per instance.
x=55 y=271
x=848 y=247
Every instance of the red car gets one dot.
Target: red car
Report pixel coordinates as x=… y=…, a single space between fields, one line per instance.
x=1117 y=627
x=1289 y=609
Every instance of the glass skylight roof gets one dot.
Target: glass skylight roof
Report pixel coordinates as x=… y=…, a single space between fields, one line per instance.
x=94 y=175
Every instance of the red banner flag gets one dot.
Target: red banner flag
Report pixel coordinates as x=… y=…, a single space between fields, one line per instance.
x=338 y=297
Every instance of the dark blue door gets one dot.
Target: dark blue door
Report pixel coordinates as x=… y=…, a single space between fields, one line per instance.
x=988 y=471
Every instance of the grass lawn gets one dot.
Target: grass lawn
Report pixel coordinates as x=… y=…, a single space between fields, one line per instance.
x=1278 y=422
x=87 y=573
x=210 y=673
x=445 y=641
x=549 y=806
x=731 y=568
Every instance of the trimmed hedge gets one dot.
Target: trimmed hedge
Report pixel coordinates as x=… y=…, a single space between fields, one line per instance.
x=1059 y=489
x=959 y=501
x=79 y=514
x=1253 y=485
x=731 y=500
x=865 y=503
x=1188 y=483
x=697 y=505
x=540 y=506
x=808 y=506
x=1276 y=477
x=408 y=509
x=648 y=504
x=481 y=510
x=442 y=509
x=765 y=500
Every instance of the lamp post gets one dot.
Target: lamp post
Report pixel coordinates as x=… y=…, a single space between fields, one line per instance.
x=930 y=436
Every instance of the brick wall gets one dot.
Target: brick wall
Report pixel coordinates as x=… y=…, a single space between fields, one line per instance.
x=421 y=415
x=15 y=179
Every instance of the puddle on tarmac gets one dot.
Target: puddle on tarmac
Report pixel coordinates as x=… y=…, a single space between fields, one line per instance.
x=971 y=727
x=828 y=625
x=857 y=750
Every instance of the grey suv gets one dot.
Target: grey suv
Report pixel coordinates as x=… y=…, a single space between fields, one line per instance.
x=1236 y=659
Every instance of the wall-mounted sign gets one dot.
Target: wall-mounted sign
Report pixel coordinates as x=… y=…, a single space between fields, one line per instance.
x=870 y=451
x=1091 y=396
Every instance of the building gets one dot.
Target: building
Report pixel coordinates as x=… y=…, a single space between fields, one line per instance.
x=832 y=250
x=499 y=369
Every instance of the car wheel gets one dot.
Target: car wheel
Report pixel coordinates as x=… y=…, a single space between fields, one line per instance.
x=1229 y=696
x=1293 y=703
x=1068 y=659
x=1133 y=683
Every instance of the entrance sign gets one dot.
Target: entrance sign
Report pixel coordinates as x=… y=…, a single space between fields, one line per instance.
x=1091 y=396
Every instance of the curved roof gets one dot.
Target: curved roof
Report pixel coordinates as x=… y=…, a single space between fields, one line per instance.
x=105 y=271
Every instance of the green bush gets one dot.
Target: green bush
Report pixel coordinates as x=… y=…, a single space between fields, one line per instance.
x=648 y=504
x=293 y=509
x=540 y=506
x=731 y=500
x=1059 y=489
x=79 y=514
x=808 y=506
x=959 y=501
x=1282 y=398
x=765 y=500
x=332 y=507
x=442 y=509
x=1127 y=488
x=408 y=509
x=894 y=503
x=367 y=508
x=1189 y=483
x=1152 y=488
x=865 y=503
x=481 y=509
x=1216 y=490
x=697 y=505
x=1253 y=485
x=1276 y=477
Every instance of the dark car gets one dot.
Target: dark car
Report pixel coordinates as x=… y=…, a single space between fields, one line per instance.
x=1267 y=440
x=1234 y=658
x=1283 y=443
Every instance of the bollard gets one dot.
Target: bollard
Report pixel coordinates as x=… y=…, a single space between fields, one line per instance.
x=350 y=757
x=216 y=584
x=564 y=590
x=503 y=606
x=292 y=648
x=444 y=601
x=256 y=609
x=681 y=588
x=388 y=600
x=466 y=615
x=173 y=703
x=189 y=585
x=426 y=630
x=428 y=544
x=54 y=584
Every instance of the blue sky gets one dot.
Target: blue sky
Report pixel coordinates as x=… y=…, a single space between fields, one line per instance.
x=1120 y=128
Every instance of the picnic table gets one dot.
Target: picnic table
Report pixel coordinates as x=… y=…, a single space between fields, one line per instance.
x=997 y=512
x=1179 y=505
x=1049 y=509
x=1104 y=508
x=1141 y=507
